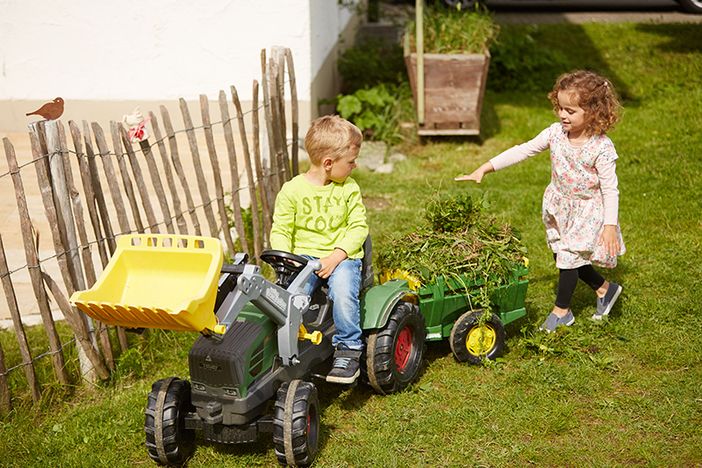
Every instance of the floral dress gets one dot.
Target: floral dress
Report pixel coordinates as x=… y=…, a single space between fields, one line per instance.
x=573 y=209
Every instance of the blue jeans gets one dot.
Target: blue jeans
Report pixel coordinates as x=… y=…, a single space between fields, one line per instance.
x=344 y=289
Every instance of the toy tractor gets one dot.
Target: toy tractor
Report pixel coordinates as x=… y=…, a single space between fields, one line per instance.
x=251 y=369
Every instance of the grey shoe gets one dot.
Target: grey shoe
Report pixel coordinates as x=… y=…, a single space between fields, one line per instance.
x=605 y=304
x=553 y=321
x=346 y=367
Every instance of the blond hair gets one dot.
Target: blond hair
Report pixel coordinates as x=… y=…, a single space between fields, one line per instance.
x=332 y=137
x=595 y=94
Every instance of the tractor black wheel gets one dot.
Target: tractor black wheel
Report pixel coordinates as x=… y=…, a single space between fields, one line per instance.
x=167 y=440
x=296 y=423
x=472 y=341
x=394 y=353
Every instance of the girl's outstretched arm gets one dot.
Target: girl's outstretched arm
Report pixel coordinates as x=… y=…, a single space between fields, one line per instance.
x=478 y=174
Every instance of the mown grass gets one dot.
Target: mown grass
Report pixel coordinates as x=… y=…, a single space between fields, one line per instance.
x=625 y=391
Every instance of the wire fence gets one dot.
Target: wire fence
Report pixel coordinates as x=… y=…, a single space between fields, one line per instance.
x=84 y=214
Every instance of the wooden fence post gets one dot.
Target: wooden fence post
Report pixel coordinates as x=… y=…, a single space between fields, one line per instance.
x=112 y=179
x=279 y=60
x=258 y=240
x=274 y=106
x=294 y=113
x=263 y=188
x=273 y=180
x=89 y=198
x=175 y=199
x=57 y=358
x=138 y=177
x=65 y=242
x=197 y=164
x=158 y=185
x=96 y=187
x=234 y=171
x=75 y=222
x=209 y=139
x=178 y=167
x=22 y=342
x=124 y=172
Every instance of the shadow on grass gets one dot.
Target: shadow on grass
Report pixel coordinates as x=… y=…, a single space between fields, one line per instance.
x=260 y=447
x=682 y=38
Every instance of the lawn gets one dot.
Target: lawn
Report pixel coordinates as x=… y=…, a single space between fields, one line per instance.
x=624 y=391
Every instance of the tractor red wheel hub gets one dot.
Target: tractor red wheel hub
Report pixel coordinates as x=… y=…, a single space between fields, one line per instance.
x=403 y=348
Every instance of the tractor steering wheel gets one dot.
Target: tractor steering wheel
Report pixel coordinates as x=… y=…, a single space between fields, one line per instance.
x=286 y=265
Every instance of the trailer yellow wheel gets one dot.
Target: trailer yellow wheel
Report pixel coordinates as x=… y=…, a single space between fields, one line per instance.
x=481 y=340
x=473 y=340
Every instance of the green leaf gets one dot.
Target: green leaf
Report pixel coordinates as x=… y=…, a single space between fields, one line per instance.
x=347 y=106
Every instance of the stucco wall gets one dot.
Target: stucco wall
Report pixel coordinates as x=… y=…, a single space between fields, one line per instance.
x=101 y=53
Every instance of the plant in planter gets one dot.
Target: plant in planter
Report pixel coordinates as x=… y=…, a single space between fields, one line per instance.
x=455 y=60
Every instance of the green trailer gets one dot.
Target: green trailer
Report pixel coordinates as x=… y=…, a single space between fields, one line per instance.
x=406 y=314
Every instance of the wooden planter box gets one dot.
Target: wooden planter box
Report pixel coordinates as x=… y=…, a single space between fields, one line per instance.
x=454 y=86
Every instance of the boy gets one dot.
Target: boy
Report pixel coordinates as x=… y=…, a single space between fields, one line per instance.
x=320 y=214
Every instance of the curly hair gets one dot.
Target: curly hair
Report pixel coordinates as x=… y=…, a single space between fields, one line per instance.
x=595 y=94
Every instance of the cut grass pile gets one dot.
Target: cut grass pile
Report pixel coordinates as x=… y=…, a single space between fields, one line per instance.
x=458 y=238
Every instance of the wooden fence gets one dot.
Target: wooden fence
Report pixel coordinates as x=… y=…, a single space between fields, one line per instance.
x=94 y=189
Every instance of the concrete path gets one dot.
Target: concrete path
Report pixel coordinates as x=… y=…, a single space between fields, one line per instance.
x=582 y=11
x=565 y=11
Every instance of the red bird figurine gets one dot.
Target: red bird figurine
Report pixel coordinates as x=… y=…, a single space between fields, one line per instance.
x=51 y=110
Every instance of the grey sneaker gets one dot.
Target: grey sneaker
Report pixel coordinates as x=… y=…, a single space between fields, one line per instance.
x=605 y=304
x=346 y=367
x=553 y=321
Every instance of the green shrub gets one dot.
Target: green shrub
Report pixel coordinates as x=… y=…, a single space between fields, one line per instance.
x=371 y=63
x=376 y=111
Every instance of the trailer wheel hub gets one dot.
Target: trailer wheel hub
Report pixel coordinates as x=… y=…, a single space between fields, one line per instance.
x=481 y=340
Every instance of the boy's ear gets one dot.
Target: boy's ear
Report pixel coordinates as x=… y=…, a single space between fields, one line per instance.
x=327 y=163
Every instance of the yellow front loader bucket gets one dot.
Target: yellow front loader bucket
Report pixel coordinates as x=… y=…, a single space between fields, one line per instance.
x=157 y=281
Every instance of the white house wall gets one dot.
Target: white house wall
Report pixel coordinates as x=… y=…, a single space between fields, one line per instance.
x=104 y=57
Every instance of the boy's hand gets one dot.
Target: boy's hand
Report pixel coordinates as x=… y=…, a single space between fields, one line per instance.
x=330 y=262
x=609 y=239
x=478 y=174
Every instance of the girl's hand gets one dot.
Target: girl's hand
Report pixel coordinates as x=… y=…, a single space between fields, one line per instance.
x=610 y=239
x=478 y=174
x=330 y=262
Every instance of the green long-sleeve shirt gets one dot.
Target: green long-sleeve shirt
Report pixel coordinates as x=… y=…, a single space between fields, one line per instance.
x=314 y=220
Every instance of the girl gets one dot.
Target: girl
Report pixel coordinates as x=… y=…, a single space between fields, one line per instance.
x=580 y=205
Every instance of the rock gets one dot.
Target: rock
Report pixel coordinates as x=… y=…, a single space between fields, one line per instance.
x=397 y=157
x=384 y=168
x=372 y=155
